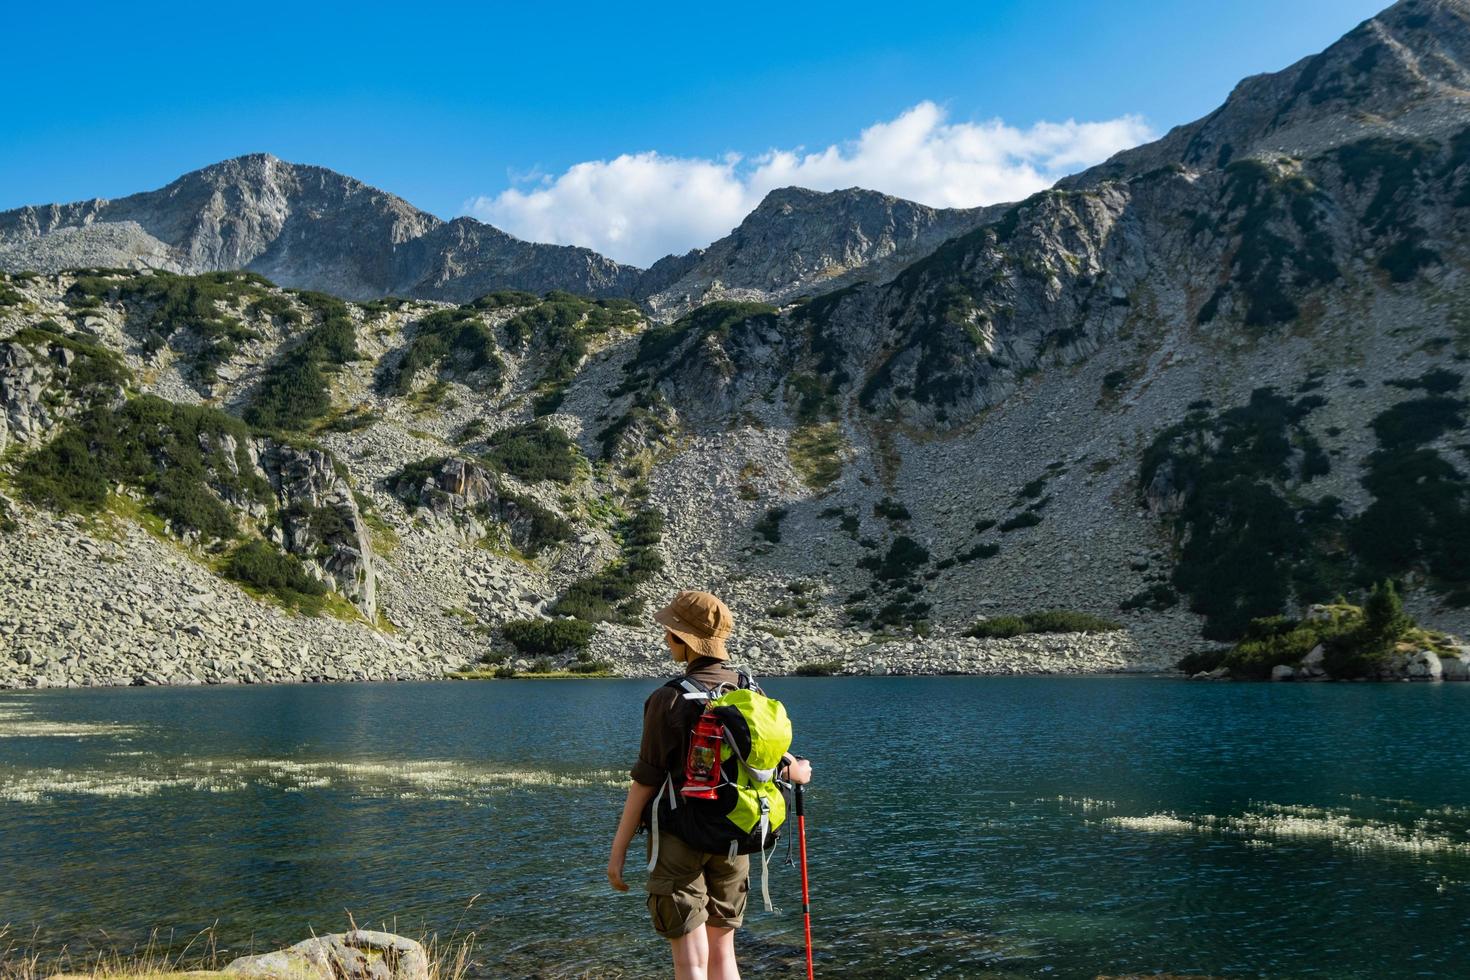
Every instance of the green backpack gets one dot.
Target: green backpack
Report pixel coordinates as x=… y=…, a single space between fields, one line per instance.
x=748 y=809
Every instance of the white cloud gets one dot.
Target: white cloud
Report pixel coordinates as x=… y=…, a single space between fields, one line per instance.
x=639 y=207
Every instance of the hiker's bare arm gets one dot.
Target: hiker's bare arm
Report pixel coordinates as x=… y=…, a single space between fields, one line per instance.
x=638 y=797
x=797 y=770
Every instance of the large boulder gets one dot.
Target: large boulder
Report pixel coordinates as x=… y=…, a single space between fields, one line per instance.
x=1425 y=666
x=1311 y=667
x=1457 y=667
x=357 y=955
x=1282 y=672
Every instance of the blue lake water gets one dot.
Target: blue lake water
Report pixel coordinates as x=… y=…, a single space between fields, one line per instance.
x=966 y=827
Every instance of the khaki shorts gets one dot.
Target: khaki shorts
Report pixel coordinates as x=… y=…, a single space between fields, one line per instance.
x=689 y=888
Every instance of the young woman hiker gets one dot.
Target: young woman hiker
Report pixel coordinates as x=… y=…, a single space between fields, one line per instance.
x=696 y=897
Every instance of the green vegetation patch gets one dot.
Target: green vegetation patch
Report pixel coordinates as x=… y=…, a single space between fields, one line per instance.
x=455 y=339
x=711 y=320
x=815 y=452
x=1282 y=242
x=547 y=637
x=1250 y=541
x=1356 y=641
x=1420 y=515
x=768 y=527
x=94 y=372
x=610 y=594
x=293 y=391
x=1045 y=621
x=263 y=568
x=534 y=451
x=904 y=557
x=187 y=460
x=1252 y=544
x=1028 y=518
x=176 y=307
x=1395 y=170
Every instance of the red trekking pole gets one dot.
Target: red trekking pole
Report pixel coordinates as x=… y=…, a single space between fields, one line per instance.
x=806 y=900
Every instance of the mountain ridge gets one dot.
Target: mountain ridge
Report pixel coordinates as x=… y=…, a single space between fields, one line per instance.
x=1184 y=394
x=307 y=226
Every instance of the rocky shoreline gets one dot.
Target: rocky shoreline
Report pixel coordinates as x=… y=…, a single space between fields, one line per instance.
x=78 y=615
x=107 y=604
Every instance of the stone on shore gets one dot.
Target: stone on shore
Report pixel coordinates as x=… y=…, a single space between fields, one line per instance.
x=357 y=955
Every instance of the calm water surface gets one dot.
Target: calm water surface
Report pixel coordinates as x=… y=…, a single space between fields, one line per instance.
x=959 y=827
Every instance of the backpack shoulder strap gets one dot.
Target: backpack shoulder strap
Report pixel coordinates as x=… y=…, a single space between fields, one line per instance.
x=689 y=689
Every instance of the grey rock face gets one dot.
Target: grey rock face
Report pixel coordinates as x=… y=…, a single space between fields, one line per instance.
x=23 y=416
x=321 y=522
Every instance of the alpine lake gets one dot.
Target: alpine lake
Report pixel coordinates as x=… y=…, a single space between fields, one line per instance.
x=957 y=826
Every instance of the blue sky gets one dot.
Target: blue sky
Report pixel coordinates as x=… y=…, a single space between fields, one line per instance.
x=453 y=105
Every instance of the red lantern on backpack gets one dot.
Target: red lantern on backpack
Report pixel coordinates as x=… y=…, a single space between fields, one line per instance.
x=702 y=768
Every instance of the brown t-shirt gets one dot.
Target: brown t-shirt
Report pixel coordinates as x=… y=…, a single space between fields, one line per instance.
x=667 y=719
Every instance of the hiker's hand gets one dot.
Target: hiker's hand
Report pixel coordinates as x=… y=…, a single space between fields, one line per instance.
x=615 y=871
x=800 y=771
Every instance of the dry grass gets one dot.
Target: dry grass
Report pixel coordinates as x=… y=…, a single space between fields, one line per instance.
x=155 y=959
x=450 y=958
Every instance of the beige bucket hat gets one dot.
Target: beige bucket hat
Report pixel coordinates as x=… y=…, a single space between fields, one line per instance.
x=700 y=620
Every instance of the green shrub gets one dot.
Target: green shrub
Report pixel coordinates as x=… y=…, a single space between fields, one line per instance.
x=1384 y=618
x=585 y=664
x=979 y=551
x=1355 y=641
x=1202 y=660
x=544 y=528
x=95 y=372
x=174 y=305
x=262 y=566
x=815 y=451
x=504 y=298
x=533 y=452
x=548 y=637
x=154 y=446
x=818 y=668
x=769 y=526
x=458 y=336
x=407 y=482
x=505 y=672
x=293 y=390
x=712 y=319
x=292 y=394
x=891 y=510
x=541 y=665
x=903 y=557
x=1250 y=542
x=1028 y=518
x=1045 y=621
x=611 y=593
x=1032 y=490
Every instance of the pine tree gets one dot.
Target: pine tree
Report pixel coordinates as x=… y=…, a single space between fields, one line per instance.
x=1384 y=618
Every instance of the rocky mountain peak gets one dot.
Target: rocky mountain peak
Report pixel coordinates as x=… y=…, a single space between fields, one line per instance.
x=799 y=240
x=1403 y=72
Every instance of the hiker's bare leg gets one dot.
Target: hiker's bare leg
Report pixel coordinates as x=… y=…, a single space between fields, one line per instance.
x=722 y=964
x=691 y=955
